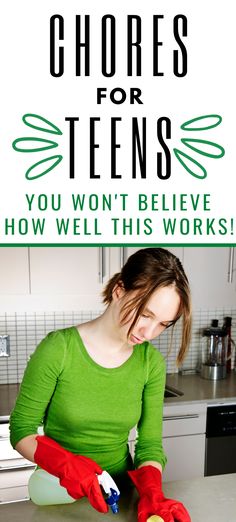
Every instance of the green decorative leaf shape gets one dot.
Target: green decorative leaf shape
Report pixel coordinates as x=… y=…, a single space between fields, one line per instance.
x=49 y=144
x=188 y=141
x=53 y=129
x=187 y=124
x=179 y=155
x=57 y=159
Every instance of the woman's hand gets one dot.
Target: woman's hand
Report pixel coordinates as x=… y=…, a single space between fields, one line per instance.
x=78 y=474
x=147 y=480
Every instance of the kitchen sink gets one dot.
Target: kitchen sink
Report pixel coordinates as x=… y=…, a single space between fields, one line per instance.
x=172 y=392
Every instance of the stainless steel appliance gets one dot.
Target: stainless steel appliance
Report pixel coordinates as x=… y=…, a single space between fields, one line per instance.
x=214 y=355
x=220 y=454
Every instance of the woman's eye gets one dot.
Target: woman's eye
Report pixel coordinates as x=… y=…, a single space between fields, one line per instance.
x=167 y=325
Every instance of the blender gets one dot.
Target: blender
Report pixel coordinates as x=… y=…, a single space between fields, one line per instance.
x=214 y=357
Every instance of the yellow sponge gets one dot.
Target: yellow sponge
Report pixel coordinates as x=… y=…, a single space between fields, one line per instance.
x=155 y=518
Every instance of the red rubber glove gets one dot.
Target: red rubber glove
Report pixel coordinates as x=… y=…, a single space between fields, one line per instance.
x=76 y=473
x=147 y=480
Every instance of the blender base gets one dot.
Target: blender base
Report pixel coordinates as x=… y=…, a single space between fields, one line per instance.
x=213 y=372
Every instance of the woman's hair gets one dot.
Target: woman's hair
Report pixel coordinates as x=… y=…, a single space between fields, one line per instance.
x=144 y=272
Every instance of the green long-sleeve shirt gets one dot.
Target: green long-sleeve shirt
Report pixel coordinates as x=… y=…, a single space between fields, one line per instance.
x=89 y=409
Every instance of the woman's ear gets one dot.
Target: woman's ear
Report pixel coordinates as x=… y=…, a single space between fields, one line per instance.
x=118 y=291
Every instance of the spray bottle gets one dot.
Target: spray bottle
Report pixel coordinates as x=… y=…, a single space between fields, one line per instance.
x=106 y=481
x=44 y=489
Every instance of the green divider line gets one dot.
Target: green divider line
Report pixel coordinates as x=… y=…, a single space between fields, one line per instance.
x=117 y=245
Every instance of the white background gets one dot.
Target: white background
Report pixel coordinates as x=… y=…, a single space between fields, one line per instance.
x=27 y=87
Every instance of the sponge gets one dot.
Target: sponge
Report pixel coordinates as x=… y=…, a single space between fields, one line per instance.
x=155 y=518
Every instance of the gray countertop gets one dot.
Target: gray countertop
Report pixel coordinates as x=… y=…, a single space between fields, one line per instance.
x=208 y=499
x=8 y=394
x=197 y=389
x=193 y=387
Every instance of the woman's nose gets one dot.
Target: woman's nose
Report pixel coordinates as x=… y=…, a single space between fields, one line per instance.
x=151 y=331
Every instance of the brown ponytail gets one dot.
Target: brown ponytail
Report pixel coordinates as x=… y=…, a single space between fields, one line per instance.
x=107 y=292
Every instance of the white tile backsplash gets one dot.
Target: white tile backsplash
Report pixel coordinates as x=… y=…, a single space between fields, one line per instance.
x=27 y=329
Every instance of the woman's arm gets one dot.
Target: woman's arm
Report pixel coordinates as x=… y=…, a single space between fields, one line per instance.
x=27 y=447
x=148 y=448
x=151 y=463
x=36 y=390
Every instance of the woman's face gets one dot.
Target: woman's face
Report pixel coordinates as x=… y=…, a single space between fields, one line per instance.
x=160 y=311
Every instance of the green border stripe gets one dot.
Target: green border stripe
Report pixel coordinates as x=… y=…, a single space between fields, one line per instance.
x=117 y=244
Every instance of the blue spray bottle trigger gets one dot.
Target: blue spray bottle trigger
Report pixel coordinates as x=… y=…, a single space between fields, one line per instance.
x=112 y=501
x=106 y=481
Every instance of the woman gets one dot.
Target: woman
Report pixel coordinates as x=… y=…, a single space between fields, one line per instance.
x=90 y=384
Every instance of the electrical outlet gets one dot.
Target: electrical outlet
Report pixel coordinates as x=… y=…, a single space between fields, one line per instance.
x=4 y=345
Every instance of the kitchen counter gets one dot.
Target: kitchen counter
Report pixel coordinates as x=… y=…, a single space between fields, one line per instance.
x=196 y=389
x=208 y=499
x=8 y=394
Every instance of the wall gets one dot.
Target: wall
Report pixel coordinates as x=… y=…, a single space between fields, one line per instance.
x=26 y=329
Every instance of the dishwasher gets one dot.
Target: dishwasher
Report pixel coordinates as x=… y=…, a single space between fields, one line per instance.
x=220 y=454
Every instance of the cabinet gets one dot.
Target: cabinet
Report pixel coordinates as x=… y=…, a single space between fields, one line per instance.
x=131 y=441
x=79 y=272
x=184 y=428
x=15 y=471
x=14 y=270
x=14 y=485
x=207 y=269
x=128 y=251
x=53 y=278
x=72 y=278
